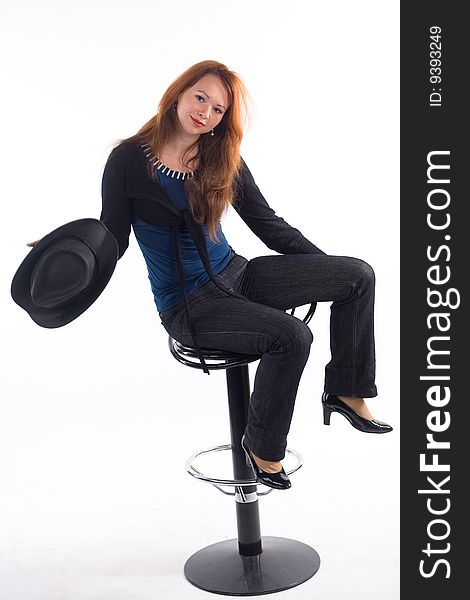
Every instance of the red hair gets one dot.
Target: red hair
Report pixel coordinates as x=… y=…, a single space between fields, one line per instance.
x=210 y=190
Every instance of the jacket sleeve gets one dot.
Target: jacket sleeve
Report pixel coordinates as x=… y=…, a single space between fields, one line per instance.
x=116 y=207
x=271 y=229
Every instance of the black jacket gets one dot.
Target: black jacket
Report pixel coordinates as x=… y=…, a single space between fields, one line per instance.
x=128 y=190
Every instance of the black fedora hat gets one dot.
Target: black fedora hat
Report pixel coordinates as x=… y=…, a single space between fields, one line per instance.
x=65 y=272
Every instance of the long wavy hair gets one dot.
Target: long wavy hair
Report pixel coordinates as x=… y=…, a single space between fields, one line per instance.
x=210 y=191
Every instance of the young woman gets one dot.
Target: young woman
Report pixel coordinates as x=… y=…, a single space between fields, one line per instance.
x=172 y=182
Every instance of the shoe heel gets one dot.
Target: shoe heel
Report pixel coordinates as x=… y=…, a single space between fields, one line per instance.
x=326 y=415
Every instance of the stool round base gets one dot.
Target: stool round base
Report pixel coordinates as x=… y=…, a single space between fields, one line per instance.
x=283 y=564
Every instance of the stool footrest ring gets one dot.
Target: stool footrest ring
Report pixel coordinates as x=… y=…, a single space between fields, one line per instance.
x=237 y=483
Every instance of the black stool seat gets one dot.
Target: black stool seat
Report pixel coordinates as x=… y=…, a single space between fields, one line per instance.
x=250 y=565
x=223 y=358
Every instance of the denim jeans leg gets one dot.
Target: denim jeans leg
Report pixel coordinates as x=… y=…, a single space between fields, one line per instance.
x=281 y=340
x=351 y=370
x=285 y=281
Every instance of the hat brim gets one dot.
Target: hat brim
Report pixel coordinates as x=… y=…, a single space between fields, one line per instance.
x=106 y=250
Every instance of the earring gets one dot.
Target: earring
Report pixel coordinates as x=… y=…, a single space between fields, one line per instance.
x=212 y=132
x=175 y=104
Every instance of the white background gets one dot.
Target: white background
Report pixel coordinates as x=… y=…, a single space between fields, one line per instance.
x=97 y=418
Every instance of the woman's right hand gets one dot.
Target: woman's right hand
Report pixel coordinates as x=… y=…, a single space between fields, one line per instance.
x=32 y=244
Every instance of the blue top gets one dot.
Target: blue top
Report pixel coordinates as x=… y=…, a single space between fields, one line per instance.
x=156 y=244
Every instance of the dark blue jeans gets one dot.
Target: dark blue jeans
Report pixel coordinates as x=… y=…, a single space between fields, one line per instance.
x=258 y=324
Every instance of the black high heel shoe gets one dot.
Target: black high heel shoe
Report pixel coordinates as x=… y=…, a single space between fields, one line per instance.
x=278 y=481
x=332 y=403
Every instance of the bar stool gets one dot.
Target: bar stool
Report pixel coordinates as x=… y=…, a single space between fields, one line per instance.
x=251 y=564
